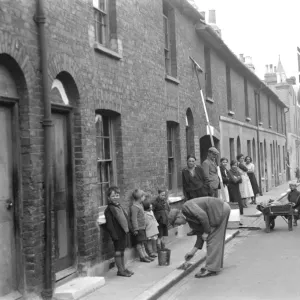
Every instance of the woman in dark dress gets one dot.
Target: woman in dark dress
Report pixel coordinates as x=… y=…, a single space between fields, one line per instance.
x=233 y=187
x=251 y=175
x=193 y=182
x=225 y=178
x=194 y=185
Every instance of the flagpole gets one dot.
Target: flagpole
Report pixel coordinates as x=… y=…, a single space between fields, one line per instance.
x=198 y=68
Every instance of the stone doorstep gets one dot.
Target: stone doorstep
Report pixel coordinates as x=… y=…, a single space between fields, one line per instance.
x=78 y=288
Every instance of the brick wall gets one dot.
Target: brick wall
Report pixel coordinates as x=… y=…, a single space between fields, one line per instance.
x=134 y=87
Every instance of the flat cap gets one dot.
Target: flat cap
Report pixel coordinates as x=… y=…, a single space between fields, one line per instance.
x=214 y=150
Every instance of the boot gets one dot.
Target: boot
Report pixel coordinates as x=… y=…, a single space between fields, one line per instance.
x=145 y=253
x=121 y=270
x=150 y=249
x=245 y=202
x=154 y=246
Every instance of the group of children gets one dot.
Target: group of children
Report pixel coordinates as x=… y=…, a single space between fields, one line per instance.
x=147 y=223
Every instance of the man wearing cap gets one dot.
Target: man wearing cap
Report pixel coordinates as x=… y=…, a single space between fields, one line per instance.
x=210 y=170
x=208 y=217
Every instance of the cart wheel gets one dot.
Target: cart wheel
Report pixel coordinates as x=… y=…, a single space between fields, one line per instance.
x=272 y=224
x=290 y=222
x=267 y=221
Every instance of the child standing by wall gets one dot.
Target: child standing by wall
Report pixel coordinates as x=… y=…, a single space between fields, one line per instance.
x=117 y=226
x=139 y=224
x=161 y=210
x=151 y=228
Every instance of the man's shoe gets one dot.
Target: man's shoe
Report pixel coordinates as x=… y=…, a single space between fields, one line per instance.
x=145 y=259
x=206 y=273
x=193 y=232
x=295 y=224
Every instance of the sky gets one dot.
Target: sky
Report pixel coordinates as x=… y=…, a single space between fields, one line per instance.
x=262 y=29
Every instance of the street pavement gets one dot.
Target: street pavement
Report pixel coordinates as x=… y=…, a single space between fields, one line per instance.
x=150 y=280
x=258 y=265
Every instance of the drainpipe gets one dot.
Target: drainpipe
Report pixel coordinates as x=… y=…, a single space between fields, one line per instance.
x=258 y=140
x=288 y=171
x=40 y=19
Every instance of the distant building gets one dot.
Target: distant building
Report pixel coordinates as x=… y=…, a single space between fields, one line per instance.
x=288 y=92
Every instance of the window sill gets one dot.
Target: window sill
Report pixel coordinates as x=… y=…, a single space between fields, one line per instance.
x=101 y=218
x=100 y=48
x=248 y=119
x=172 y=79
x=210 y=100
x=231 y=113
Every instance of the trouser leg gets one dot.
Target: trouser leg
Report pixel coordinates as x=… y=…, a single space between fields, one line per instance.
x=216 y=242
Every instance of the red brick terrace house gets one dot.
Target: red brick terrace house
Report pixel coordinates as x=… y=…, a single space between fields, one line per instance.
x=114 y=81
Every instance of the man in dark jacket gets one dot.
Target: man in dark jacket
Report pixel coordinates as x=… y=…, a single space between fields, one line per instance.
x=210 y=169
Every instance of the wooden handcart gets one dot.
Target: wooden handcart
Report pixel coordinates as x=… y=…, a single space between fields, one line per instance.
x=272 y=212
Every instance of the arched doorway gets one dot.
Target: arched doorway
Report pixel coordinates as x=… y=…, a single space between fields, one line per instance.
x=13 y=92
x=64 y=98
x=205 y=144
x=238 y=146
x=189 y=131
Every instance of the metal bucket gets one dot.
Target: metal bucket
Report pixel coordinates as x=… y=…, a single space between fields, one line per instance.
x=164 y=257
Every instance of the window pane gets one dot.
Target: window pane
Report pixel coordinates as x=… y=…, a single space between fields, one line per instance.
x=166 y=31
x=106 y=148
x=170 y=149
x=170 y=172
x=106 y=131
x=102 y=5
x=104 y=169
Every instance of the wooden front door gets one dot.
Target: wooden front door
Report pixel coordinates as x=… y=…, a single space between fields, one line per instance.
x=8 y=281
x=62 y=196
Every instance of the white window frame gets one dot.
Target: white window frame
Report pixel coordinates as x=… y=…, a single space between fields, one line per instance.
x=101 y=25
x=105 y=162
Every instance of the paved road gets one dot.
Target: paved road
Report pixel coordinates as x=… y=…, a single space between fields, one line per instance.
x=257 y=266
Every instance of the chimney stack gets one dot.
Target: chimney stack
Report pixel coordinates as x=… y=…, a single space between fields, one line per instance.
x=267 y=68
x=212 y=16
x=203 y=14
x=275 y=69
x=242 y=58
x=271 y=68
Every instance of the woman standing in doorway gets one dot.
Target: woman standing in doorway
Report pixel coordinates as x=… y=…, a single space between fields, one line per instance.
x=193 y=182
x=225 y=178
x=251 y=175
x=245 y=186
